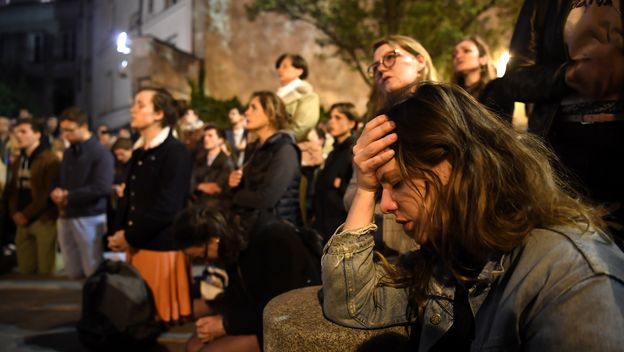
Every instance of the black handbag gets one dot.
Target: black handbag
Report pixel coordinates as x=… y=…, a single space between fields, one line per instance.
x=118 y=310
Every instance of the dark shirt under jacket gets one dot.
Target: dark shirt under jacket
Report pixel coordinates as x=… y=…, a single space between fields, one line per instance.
x=156 y=189
x=218 y=172
x=331 y=184
x=271 y=178
x=87 y=173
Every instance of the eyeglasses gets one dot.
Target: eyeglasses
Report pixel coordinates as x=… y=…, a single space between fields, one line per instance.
x=388 y=60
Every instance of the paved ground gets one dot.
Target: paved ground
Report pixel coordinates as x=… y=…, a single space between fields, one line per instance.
x=39 y=314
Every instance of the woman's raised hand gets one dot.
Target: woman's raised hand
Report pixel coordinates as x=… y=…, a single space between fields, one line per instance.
x=372 y=150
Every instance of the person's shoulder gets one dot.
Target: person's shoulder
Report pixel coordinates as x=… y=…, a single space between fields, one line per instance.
x=574 y=249
x=48 y=157
x=100 y=149
x=305 y=88
x=174 y=145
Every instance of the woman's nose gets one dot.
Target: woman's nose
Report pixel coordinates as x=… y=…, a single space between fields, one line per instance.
x=387 y=204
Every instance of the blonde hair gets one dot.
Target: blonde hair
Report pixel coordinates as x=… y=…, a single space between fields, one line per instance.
x=412 y=46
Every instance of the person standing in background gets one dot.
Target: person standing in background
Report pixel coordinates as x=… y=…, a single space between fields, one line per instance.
x=209 y=183
x=156 y=189
x=33 y=214
x=84 y=184
x=301 y=102
x=567 y=58
x=472 y=66
x=333 y=178
x=236 y=136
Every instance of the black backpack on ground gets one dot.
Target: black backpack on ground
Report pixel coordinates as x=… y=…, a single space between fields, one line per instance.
x=118 y=310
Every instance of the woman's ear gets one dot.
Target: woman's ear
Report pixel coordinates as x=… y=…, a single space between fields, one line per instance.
x=421 y=62
x=483 y=61
x=299 y=71
x=443 y=170
x=159 y=115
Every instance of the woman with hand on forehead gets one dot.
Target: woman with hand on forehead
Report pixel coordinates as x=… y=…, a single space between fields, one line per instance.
x=510 y=258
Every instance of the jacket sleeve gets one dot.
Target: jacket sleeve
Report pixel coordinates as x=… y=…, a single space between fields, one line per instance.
x=525 y=79
x=173 y=187
x=224 y=174
x=41 y=185
x=354 y=293
x=306 y=115
x=282 y=170
x=99 y=185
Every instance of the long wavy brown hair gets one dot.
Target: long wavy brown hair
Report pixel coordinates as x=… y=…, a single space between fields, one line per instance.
x=502 y=185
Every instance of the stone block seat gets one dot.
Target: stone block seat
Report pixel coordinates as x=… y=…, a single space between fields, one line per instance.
x=294 y=321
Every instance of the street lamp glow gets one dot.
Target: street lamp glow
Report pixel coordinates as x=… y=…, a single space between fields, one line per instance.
x=501 y=66
x=122 y=43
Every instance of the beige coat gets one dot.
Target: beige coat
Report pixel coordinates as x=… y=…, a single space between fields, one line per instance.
x=303 y=105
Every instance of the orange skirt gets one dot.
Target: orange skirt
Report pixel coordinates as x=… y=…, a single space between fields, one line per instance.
x=166 y=275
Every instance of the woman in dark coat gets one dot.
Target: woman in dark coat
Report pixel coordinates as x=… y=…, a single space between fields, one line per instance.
x=156 y=188
x=269 y=178
x=333 y=179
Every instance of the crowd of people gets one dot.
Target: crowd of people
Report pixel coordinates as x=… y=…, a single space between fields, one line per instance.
x=505 y=239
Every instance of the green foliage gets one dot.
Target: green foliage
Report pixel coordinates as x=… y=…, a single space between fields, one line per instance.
x=210 y=109
x=351 y=26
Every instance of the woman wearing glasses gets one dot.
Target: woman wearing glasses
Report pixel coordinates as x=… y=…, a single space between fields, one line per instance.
x=269 y=178
x=398 y=61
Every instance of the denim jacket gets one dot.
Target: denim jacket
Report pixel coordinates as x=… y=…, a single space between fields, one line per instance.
x=562 y=290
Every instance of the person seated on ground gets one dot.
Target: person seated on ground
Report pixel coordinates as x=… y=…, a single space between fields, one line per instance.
x=263 y=258
x=269 y=177
x=209 y=180
x=511 y=257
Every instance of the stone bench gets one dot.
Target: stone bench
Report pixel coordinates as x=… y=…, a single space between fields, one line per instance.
x=294 y=321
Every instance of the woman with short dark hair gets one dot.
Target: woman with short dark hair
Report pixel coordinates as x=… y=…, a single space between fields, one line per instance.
x=301 y=102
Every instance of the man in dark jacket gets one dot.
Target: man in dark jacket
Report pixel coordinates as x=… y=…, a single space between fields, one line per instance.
x=209 y=183
x=85 y=183
x=33 y=215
